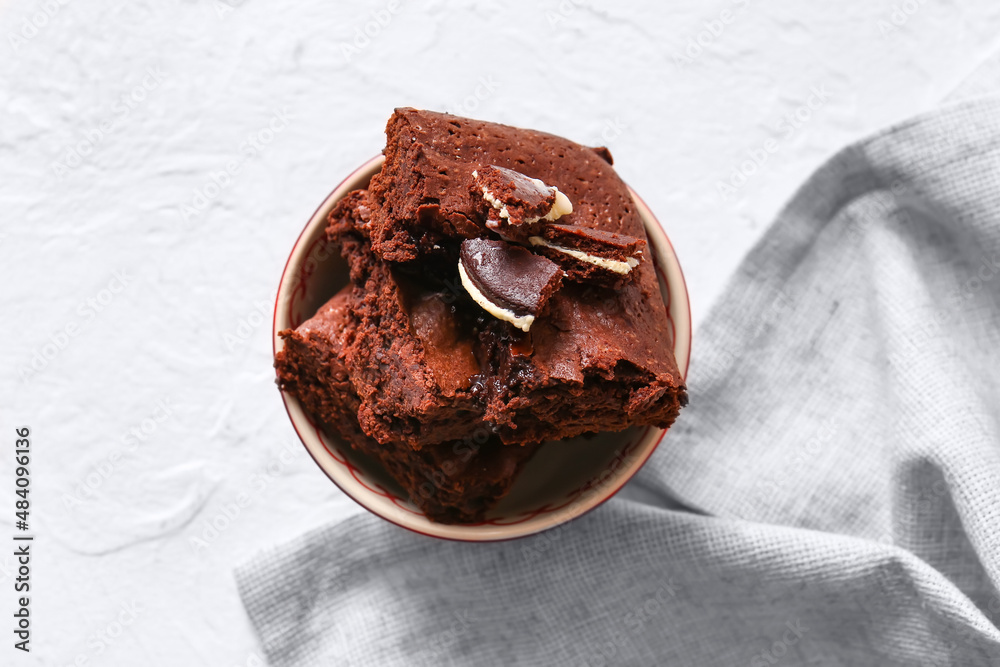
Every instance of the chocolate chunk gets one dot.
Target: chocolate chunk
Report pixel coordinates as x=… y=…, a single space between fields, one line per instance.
x=590 y=255
x=518 y=203
x=508 y=281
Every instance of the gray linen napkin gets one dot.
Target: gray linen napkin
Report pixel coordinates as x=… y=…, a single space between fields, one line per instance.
x=842 y=445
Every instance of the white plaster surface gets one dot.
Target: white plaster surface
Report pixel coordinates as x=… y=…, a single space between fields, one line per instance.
x=190 y=328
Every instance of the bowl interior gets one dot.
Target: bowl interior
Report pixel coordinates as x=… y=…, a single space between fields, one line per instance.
x=564 y=479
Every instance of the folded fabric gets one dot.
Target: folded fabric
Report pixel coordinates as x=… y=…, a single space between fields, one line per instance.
x=841 y=446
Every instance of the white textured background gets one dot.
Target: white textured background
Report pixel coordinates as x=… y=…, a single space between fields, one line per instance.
x=91 y=185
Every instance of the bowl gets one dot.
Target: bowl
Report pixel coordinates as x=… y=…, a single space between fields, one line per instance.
x=563 y=480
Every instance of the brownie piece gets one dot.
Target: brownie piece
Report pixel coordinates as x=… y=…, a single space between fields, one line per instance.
x=413 y=360
x=520 y=206
x=591 y=255
x=599 y=358
x=426 y=191
x=413 y=357
x=499 y=298
x=452 y=482
x=310 y=368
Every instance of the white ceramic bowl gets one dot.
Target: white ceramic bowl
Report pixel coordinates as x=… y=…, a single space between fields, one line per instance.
x=562 y=481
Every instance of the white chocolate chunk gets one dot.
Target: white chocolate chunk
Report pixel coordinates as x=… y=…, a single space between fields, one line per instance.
x=522 y=322
x=615 y=265
x=560 y=207
x=497 y=204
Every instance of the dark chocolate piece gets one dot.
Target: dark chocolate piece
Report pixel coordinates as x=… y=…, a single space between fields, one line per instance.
x=591 y=255
x=508 y=281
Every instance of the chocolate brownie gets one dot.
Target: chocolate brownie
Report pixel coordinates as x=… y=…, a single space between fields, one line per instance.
x=599 y=358
x=426 y=191
x=310 y=368
x=500 y=297
x=594 y=362
x=412 y=358
x=452 y=482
